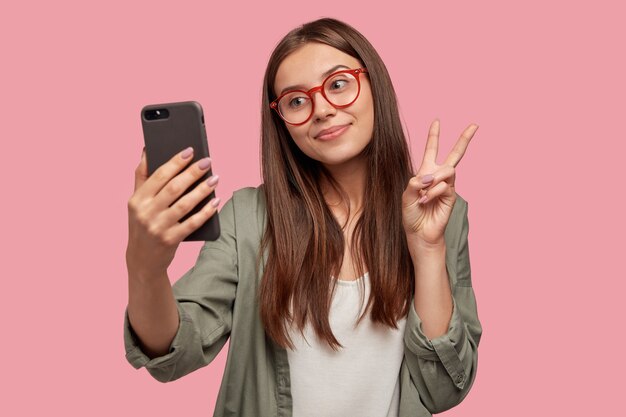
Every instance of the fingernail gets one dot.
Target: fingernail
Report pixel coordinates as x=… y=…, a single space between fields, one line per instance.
x=423 y=199
x=204 y=163
x=427 y=178
x=215 y=202
x=213 y=180
x=187 y=153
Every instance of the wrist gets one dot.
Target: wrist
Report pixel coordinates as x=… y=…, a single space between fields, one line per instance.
x=419 y=248
x=144 y=276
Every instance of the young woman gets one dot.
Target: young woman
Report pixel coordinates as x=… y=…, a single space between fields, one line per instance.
x=343 y=281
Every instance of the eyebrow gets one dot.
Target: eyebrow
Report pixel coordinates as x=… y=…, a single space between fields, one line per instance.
x=324 y=75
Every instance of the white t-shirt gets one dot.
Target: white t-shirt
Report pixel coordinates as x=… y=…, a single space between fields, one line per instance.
x=362 y=378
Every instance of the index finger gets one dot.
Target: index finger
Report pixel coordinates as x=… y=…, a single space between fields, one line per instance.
x=432 y=143
x=150 y=185
x=461 y=145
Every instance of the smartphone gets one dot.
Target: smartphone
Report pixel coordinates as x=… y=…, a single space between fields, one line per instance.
x=168 y=129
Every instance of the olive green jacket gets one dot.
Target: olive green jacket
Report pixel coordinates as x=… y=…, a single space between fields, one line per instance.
x=216 y=300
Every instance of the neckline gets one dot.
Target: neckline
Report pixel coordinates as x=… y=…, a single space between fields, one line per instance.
x=353 y=281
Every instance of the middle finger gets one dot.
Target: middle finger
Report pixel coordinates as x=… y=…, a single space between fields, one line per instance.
x=461 y=145
x=180 y=183
x=189 y=201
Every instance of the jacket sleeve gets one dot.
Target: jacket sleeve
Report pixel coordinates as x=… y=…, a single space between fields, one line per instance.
x=204 y=297
x=443 y=369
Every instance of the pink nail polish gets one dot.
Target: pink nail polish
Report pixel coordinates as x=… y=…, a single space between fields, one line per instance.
x=204 y=163
x=187 y=153
x=213 y=180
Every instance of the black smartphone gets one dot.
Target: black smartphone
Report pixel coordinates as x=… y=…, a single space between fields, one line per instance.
x=168 y=129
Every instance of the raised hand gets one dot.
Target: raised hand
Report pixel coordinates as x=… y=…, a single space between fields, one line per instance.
x=429 y=196
x=154 y=230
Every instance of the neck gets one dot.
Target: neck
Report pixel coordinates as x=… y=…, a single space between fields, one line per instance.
x=351 y=176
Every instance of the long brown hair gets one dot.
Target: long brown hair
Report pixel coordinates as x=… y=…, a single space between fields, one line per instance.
x=304 y=242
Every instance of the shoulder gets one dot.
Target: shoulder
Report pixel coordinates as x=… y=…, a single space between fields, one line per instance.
x=249 y=193
x=250 y=198
x=248 y=208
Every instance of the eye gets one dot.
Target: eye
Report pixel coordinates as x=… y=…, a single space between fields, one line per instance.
x=296 y=102
x=337 y=84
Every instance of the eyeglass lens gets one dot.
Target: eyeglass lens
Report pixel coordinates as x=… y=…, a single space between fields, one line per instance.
x=340 y=89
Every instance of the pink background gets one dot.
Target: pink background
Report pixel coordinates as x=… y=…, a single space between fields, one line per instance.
x=544 y=80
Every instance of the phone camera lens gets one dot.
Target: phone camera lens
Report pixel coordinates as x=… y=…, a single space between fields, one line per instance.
x=157 y=114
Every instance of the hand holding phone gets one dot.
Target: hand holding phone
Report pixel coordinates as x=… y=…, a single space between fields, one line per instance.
x=156 y=206
x=169 y=206
x=168 y=129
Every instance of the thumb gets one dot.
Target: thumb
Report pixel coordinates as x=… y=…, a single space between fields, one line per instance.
x=141 y=172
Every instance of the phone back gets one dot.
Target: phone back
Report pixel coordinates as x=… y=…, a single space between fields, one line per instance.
x=169 y=128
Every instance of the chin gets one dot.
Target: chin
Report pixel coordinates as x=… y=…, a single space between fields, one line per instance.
x=341 y=159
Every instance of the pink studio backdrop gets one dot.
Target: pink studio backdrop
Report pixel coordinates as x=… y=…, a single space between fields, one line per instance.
x=544 y=80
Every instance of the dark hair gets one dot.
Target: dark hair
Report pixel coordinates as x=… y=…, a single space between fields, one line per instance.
x=305 y=243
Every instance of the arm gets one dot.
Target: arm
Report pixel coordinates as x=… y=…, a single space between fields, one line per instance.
x=433 y=298
x=203 y=298
x=152 y=313
x=443 y=369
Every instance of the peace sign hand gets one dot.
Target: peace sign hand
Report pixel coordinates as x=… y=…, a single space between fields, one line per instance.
x=427 y=200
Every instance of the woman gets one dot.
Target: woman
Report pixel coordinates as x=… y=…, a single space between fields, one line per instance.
x=343 y=281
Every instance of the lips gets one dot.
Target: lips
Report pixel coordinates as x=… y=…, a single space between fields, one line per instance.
x=330 y=130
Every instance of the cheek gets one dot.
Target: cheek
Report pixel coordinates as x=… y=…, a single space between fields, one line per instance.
x=366 y=106
x=366 y=116
x=370 y=106
x=299 y=136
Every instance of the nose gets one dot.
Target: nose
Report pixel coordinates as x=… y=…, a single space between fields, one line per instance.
x=321 y=107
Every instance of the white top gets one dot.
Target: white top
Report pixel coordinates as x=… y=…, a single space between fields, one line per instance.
x=362 y=378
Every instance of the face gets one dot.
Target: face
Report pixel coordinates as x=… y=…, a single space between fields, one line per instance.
x=304 y=67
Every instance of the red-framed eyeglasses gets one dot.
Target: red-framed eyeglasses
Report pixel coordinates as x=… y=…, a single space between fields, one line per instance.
x=340 y=89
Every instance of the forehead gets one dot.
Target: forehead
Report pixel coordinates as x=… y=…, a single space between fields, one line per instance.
x=306 y=65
